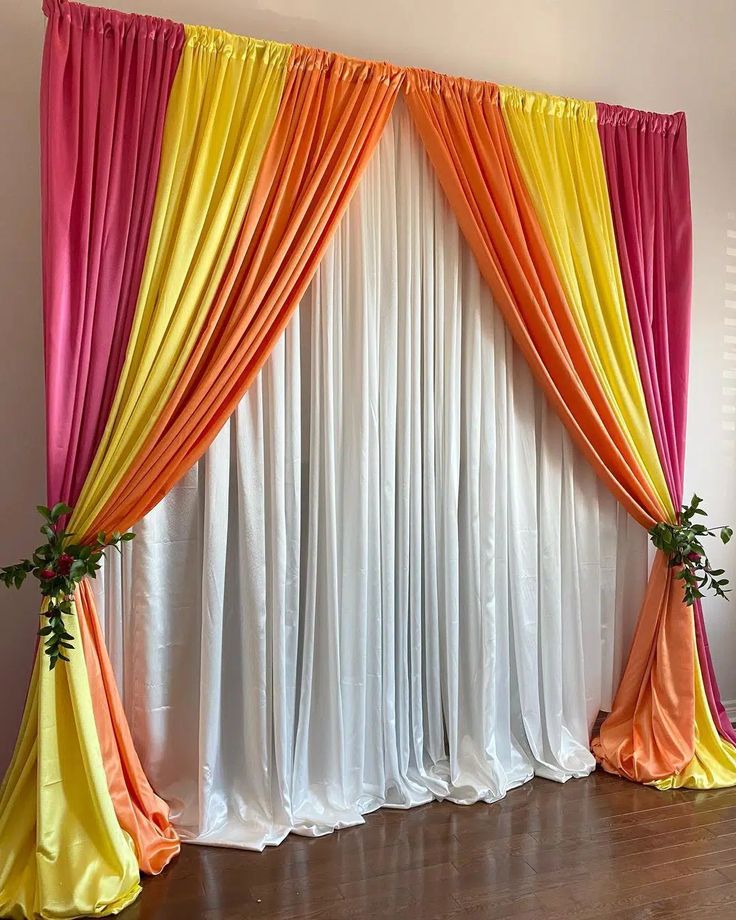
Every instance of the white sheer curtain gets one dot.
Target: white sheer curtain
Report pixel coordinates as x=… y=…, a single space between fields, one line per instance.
x=392 y=578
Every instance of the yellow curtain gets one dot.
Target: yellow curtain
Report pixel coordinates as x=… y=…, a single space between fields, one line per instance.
x=62 y=850
x=558 y=149
x=223 y=104
x=713 y=765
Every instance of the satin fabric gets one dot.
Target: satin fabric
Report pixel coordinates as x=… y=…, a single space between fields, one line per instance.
x=333 y=112
x=464 y=131
x=462 y=127
x=394 y=577
x=220 y=116
x=140 y=812
x=645 y=157
x=713 y=765
x=104 y=90
x=646 y=162
x=63 y=853
x=717 y=710
x=650 y=734
x=559 y=154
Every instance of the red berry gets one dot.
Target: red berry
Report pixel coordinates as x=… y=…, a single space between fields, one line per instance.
x=65 y=563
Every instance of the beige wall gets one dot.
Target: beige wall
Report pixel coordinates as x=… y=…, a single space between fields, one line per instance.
x=658 y=54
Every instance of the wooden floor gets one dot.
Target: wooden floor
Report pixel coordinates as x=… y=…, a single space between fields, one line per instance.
x=593 y=848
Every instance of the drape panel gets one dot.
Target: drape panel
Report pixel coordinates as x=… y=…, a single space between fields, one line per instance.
x=220 y=280
x=647 y=176
x=341 y=623
x=461 y=125
x=223 y=105
x=465 y=136
x=333 y=113
x=104 y=91
x=645 y=156
x=559 y=154
x=62 y=850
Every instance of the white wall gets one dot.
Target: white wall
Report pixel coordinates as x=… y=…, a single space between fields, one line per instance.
x=658 y=54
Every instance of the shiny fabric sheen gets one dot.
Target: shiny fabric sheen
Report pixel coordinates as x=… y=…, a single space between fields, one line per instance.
x=464 y=131
x=221 y=112
x=104 y=90
x=62 y=851
x=331 y=117
x=559 y=153
x=338 y=582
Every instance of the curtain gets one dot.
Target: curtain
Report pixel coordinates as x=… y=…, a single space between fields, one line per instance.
x=645 y=158
x=466 y=137
x=394 y=578
x=104 y=92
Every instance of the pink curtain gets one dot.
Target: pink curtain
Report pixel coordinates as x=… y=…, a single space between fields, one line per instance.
x=105 y=87
x=645 y=156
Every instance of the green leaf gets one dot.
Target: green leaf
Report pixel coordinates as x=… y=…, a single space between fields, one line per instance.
x=58 y=510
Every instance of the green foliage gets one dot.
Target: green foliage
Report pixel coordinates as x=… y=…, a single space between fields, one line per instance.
x=682 y=544
x=59 y=565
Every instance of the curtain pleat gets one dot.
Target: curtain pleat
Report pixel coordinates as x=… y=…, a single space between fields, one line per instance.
x=645 y=157
x=220 y=116
x=463 y=129
x=559 y=155
x=105 y=87
x=331 y=117
x=63 y=852
x=394 y=578
x=461 y=125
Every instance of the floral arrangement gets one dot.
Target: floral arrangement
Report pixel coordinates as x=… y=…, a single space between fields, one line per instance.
x=681 y=542
x=59 y=565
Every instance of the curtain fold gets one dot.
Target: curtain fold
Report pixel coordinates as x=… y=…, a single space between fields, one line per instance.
x=220 y=117
x=104 y=91
x=332 y=114
x=341 y=624
x=63 y=853
x=559 y=154
x=645 y=158
x=462 y=125
x=105 y=86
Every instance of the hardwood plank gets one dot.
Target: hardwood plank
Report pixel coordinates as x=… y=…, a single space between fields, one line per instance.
x=596 y=848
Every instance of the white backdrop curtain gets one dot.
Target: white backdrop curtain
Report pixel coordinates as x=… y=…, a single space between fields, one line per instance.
x=392 y=578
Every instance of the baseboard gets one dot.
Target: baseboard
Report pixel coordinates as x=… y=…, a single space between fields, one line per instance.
x=730 y=707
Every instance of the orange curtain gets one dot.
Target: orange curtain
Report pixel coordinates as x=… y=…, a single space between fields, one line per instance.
x=139 y=810
x=332 y=113
x=462 y=127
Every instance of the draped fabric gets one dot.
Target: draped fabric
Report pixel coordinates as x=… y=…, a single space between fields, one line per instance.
x=340 y=623
x=201 y=177
x=465 y=136
x=647 y=176
x=104 y=91
x=331 y=117
x=559 y=154
x=645 y=155
x=462 y=127
x=62 y=850
x=223 y=105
